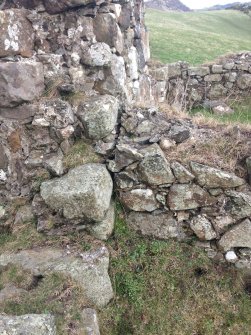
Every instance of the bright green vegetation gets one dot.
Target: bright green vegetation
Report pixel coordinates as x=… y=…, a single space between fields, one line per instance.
x=242 y=113
x=165 y=288
x=197 y=37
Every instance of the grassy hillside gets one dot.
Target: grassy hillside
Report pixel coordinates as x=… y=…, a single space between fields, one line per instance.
x=197 y=37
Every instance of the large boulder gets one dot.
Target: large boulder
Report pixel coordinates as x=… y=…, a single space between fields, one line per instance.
x=20 y=82
x=237 y=237
x=90 y=270
x=85 y=192
x=213 y=178
x=98 y=115
x=16 y=34
x=186 y=196
x=39 y=324
x=154 y=169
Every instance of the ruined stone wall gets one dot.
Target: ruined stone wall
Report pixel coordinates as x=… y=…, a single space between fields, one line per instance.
x=71 y=70
x=54 y=55
x=179 y=83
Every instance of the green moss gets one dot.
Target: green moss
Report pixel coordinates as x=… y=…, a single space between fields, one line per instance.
x=81 y=153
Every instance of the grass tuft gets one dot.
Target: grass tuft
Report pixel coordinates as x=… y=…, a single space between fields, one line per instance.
x=166 y=287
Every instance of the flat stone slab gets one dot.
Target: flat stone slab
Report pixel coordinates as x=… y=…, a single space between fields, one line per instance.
x=29 y=324
x=89 y=269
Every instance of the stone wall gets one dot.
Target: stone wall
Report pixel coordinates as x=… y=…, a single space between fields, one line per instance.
x=72 y=70
x=53 y=55
x=179 y=83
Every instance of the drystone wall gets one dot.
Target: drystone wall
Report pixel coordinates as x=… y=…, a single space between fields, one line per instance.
x=186 y=86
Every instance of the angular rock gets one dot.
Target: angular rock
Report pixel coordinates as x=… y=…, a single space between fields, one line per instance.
x=115 y=77
x=85 y=192
x=39 y=324
x=213 y=178
x=20 y=82
x=107 y=30
x=154 y=169
x=179 y=133
x=238 y=204
x=24 y=214
x=98 y=54
x=54 y=164
x=203 y=228
x=55 y=6
x=125 y=179
x=244 y=81
x=124 y=155
x=98 y=115
x=182 y=197
x=181 y=173
x=104 y=229
x=23 y=113
x=199 y=71
x=162 y=226
x=139 y=200
x=16 y=34
x=89 y=269
x=54 y=113
x=221 y=223
x=217 y=91
x=90 y=322
x=237 y=237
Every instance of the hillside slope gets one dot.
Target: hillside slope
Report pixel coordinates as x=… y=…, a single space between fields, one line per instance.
x=167 y=5
x=197 y=37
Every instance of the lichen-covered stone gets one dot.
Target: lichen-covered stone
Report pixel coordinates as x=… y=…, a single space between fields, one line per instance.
x=244 y=81
x=238 y=204
x=89 y=270
x=85 y=192
x=181 y=173
x=212 y=178
x=162 y=226
x=203 y=228
x=16 y=34
x=104 y=229
x=154 y=169
x=20 y=82
x=186 y=196
x=98 y=115
x=98 y=54
x=39 y=324
x=237 y=237
x=139 y=200
x=55 y=6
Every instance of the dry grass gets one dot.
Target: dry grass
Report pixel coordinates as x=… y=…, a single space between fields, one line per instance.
x=224 y=147
x=80 y=153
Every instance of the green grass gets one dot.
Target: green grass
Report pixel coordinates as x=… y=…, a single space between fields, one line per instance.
x=197 y=37
x=168 y=287
x=242 y=114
